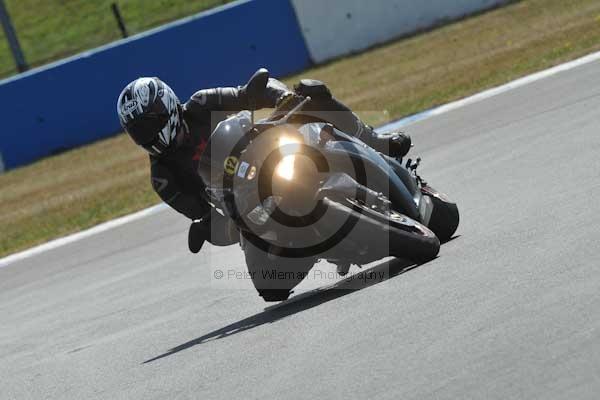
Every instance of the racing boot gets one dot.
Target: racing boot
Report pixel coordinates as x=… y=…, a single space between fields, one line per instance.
x=198 y=234
x=214 y=228
x=393 y=144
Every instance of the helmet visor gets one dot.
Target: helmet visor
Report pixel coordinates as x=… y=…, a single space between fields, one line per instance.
x=158 y=147
x=145 y=128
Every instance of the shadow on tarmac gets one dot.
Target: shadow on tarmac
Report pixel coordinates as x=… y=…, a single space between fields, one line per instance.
x=380 y=273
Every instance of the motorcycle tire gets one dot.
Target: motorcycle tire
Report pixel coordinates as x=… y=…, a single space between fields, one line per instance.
x=406 y=238
x=444 y=218
x=273 y=277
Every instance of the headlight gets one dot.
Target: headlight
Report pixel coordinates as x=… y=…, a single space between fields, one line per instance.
x=290 y=146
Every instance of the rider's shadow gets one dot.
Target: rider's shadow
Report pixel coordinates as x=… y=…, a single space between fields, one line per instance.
x=302 y=302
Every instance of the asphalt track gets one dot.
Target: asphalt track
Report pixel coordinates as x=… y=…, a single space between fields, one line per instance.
x=509 y=310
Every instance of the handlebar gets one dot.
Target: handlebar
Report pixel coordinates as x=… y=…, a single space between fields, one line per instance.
x=294 y=110
x=278 y=118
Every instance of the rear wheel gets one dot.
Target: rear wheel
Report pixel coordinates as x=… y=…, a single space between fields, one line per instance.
x=406 y=238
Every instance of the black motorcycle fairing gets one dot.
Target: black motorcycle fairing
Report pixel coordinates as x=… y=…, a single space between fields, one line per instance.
x=221 y=158
x=381 y=175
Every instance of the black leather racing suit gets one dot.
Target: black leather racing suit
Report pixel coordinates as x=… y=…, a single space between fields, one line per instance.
x=174 y=175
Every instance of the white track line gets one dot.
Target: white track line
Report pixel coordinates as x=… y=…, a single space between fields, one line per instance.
x=391 y=126
x=53 y=244
x=492 y=92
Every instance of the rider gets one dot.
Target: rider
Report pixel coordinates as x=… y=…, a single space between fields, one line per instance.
x=176 y=135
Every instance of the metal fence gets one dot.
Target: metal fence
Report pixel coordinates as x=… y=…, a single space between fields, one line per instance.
x=51 y=29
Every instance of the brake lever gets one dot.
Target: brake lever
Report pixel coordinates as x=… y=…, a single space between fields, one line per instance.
x=294 y=110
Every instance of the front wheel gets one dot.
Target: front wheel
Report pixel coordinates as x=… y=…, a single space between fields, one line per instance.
x=273 y=277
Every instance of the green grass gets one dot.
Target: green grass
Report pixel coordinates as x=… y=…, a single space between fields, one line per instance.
x=52 y=29
x=83 y=187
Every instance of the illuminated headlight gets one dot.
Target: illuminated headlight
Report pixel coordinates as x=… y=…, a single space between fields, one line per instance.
x=289 y=146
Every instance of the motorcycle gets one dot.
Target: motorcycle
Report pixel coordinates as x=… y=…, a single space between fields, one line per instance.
x=299 y=190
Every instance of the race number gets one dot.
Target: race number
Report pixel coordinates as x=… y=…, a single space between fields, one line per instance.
x=230 y=165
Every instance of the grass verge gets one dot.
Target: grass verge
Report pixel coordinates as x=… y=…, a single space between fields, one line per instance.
x=86 y=186
x=51 y=29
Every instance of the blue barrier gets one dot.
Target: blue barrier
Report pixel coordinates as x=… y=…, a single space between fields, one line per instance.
x=73 y=102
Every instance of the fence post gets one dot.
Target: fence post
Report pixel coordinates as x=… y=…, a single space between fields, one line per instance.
x=11 y=36
x=119 y=18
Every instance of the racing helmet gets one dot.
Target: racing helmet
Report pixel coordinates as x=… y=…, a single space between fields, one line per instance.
x=150 y=112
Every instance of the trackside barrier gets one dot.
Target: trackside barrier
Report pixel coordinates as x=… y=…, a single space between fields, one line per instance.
x=334 y=28
x=73 y=102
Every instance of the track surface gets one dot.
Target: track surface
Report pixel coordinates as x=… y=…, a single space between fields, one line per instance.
x=510 y=309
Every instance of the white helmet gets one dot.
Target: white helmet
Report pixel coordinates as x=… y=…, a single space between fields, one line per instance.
x=151 y=114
